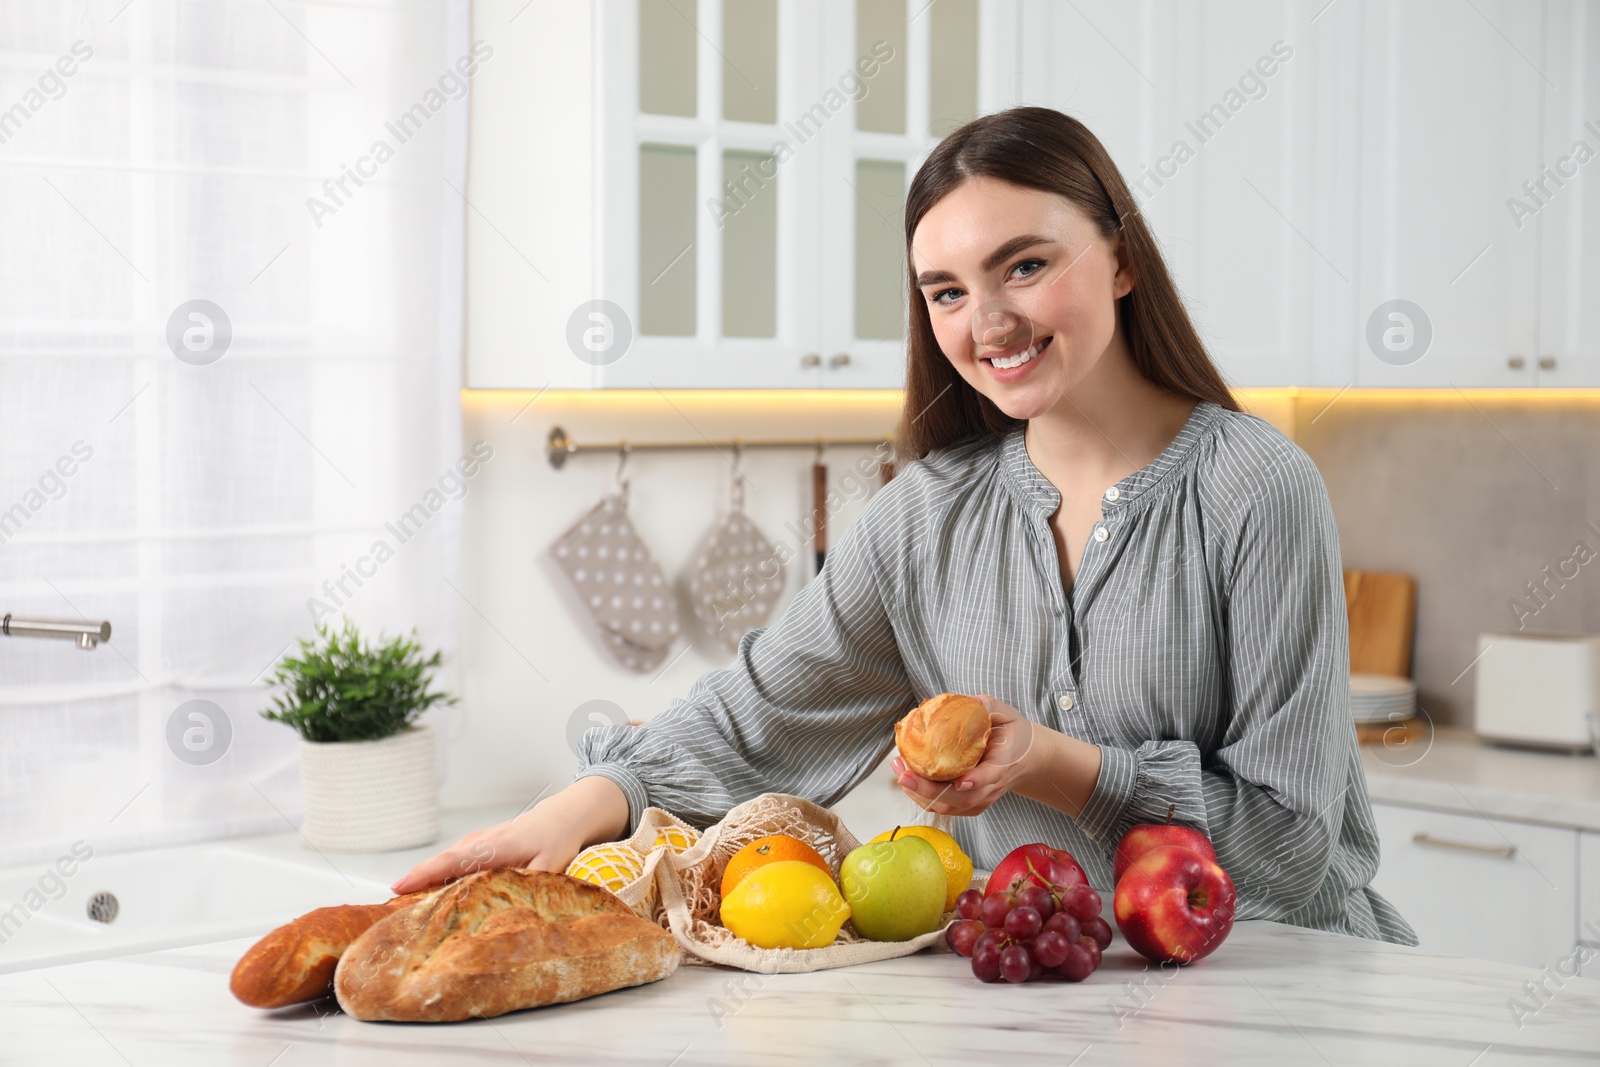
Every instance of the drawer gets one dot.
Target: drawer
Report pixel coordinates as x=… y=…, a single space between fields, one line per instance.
x=1589 y=893
x=1497 y=889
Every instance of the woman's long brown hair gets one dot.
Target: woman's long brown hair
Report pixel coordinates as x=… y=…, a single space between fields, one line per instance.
x=1040 y=148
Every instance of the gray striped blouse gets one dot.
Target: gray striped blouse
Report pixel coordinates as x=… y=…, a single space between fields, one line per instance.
x=1203 y=646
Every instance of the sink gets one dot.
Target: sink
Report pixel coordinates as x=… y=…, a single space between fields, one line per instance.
x=159 y=898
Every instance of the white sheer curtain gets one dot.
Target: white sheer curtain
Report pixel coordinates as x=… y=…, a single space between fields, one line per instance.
x=158 y=152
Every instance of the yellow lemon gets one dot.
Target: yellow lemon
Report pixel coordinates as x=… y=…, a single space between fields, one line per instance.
x=676 y=838
x=957 y=864
x=609 y=866
x=787 y=904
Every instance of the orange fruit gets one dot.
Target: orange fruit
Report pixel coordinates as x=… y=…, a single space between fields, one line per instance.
x=765 y=850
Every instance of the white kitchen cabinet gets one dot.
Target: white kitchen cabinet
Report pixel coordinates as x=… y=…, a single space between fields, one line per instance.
x=1374 y=166
x=1231 y=123
x=1569 y=276
x=1264 y=234
x=1450 y=106
x=705 y=243
x=1376 y=162
x=1495 y=889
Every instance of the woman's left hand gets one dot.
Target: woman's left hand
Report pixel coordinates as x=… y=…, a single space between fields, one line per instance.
x=1005 y=764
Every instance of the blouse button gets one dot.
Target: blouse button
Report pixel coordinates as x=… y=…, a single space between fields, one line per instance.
x=1101 y=533
x=1113 y=494
x=1065 y=702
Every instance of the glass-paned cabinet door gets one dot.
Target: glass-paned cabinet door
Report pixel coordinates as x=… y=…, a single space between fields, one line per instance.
x=753 y=159
x=709 y=165
x=916 y=71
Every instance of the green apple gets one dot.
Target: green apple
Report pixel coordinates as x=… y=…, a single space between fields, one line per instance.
x=895 y=888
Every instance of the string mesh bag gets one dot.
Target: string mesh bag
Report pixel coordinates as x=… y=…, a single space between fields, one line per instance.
x=617 y=865
x=681 y=890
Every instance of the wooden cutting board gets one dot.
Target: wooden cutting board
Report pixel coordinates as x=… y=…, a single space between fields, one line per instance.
x=1383 y=617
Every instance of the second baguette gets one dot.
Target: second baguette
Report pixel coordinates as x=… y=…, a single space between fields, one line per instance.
x=295 y=962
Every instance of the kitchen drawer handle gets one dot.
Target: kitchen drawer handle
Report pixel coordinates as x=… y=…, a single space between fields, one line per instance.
x=1507 y=851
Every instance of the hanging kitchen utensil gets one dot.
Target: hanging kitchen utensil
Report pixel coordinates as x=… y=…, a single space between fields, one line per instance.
x=737 y=575
x=819 y=507
x=619 y=581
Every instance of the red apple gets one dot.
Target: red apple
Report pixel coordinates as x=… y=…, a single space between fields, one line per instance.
x=1041 y=865
x=1174 y=904
x=1146 y=836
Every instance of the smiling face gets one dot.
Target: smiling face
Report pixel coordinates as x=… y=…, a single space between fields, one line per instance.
x=1021 y=290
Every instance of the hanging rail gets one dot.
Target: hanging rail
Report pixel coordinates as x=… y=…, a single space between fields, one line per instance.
x=561 y=446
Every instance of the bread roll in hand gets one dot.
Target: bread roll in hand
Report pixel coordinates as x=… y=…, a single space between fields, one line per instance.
x=944 y=736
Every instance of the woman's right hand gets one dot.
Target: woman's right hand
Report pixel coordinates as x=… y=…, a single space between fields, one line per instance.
x=546 y=837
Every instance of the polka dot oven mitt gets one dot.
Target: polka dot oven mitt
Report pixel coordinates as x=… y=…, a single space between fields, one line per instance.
x=620 y=584
x=736 y=579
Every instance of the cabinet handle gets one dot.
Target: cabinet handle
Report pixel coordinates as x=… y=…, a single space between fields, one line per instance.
x=1506 y=851
x=839 y=359
x=1515 y=362
x=811 y=359
x=1547 y=362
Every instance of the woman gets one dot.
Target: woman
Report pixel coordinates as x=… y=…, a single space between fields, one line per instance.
x=1143 y=582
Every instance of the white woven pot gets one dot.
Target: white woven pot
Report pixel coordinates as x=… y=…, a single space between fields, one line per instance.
x=370 y=796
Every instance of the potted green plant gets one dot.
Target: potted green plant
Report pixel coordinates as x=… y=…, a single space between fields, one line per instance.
x=366 y=765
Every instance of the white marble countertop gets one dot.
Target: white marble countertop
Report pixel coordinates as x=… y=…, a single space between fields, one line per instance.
x=1270 y=995
x=1456 y=771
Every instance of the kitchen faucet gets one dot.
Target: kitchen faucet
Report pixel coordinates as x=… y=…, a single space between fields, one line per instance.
x=87 y=635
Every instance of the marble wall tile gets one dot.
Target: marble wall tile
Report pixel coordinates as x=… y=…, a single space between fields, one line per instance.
x=1473 y=497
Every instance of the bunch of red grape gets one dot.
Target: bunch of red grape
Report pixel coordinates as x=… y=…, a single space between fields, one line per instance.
x=1030 y=934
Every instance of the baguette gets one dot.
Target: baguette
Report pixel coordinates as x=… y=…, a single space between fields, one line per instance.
x=295 y=962
x=497 y=941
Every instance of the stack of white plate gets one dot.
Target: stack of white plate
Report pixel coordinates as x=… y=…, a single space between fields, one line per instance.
x=1382 y=698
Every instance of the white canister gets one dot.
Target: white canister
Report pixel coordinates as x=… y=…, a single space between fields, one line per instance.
x=370 y=796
